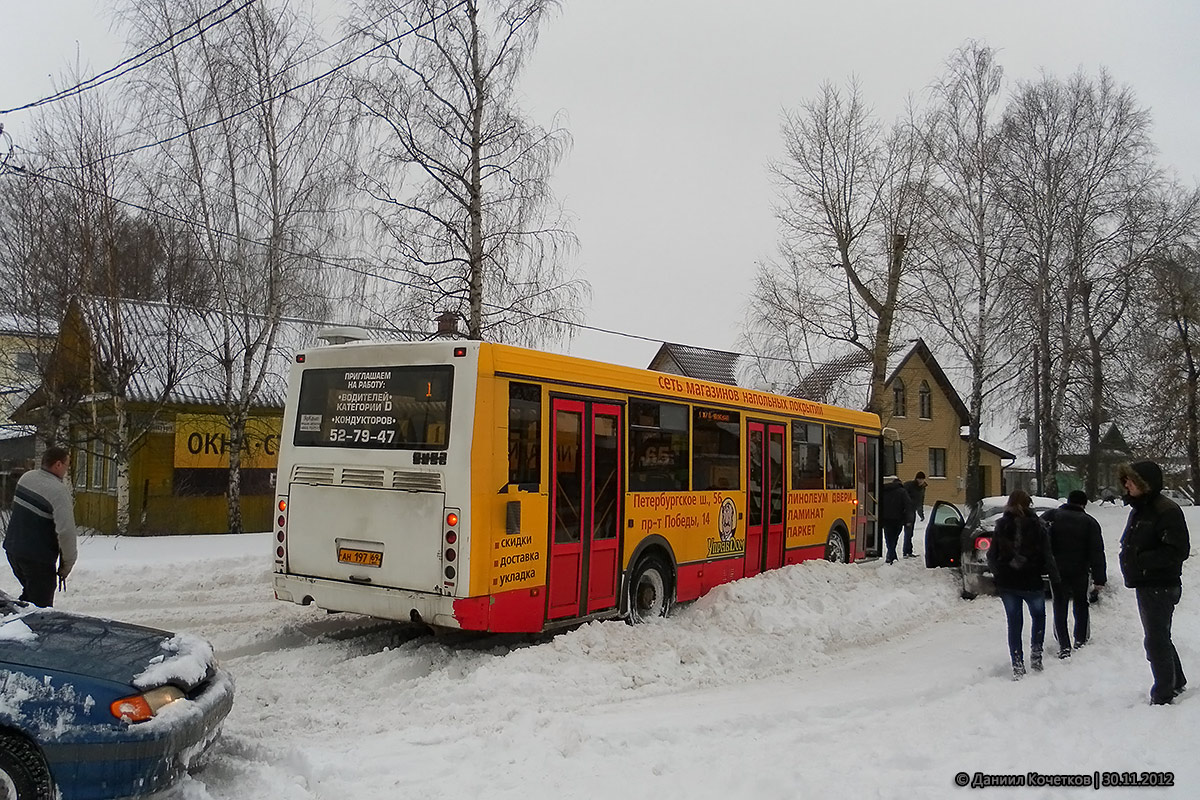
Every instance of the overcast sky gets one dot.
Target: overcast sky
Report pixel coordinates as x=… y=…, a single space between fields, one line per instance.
x=674 y=107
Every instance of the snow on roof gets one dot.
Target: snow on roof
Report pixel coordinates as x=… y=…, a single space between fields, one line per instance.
x=701 y=363
x=176 y=354
x=846 y=380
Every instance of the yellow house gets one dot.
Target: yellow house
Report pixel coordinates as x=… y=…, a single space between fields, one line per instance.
x=926 y=411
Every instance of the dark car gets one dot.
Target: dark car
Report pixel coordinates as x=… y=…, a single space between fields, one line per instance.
x=951 y=541
x=94 y=709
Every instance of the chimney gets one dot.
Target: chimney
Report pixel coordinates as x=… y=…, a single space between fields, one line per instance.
x=447 y=324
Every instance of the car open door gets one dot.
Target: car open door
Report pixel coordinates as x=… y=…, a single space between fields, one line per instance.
x=943 y=535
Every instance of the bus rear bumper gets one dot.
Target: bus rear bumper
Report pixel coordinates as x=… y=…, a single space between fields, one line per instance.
x=373 y=601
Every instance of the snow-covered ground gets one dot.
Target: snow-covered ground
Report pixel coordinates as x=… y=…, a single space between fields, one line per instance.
x=817 y=680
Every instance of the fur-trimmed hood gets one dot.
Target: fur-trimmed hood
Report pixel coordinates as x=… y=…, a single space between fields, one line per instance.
x=1146 y=475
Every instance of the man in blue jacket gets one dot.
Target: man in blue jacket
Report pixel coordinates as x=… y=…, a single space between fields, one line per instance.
x=1153 y=548
x=41 y=540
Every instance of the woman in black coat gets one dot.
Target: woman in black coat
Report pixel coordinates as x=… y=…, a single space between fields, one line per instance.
x=1019 y=556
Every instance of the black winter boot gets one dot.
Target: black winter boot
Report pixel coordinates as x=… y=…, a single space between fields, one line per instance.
x=1018 y=664
x=1035 y=660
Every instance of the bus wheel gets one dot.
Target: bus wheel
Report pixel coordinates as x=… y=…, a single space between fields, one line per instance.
x=835 y=548
x=649 y=591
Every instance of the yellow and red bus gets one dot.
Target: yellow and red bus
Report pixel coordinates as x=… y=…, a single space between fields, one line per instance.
x=493 y=488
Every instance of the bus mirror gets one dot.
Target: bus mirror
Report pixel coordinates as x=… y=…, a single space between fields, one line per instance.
x=512 y=518
x=898 y=451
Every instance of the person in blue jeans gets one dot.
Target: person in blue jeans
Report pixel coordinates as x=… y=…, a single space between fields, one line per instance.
x=1019 y=556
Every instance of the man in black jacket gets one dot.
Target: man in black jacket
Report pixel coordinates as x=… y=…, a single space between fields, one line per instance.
x=894 y=507
x=916 y=496
x=1078 y=550
x=1153 y=548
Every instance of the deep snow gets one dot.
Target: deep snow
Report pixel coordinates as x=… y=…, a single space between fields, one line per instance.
x=817 y=680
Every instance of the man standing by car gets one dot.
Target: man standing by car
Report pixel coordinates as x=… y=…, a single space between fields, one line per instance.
x=40 y=541
x=916 y=496
x=895 y=506
x=1153 y=548
x=1078 y=548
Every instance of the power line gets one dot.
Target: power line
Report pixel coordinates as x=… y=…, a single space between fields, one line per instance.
x=283 y=92
x=379 y=276
x=113 y=73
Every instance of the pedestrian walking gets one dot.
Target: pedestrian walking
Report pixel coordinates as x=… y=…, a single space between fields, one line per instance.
x=1019 y=556
x=40 y=541
x=916 y=493
x=1153 y=548
x=894 y=505
x=1078 y=547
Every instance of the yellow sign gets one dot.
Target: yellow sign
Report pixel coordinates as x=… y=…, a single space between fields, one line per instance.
x=202 y=442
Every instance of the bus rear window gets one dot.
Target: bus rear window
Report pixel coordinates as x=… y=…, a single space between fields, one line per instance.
x=400 y=408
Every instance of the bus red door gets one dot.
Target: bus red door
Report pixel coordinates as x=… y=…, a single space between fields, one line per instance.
x=585 y=507
x=765 y=497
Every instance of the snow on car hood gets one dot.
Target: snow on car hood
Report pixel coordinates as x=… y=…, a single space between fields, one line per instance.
x=185 y=661
x=115 y=651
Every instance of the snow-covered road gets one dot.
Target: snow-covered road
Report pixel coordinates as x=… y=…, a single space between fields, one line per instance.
x=818 y=680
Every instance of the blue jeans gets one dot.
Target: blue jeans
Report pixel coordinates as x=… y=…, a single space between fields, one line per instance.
x=1036 y=600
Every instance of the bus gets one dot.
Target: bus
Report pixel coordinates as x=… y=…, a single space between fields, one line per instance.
x=487 y=487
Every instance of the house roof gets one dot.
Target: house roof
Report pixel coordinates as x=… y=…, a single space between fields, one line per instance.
x=174 y=354
x=846 y=380
x=717 y=366
x=1000 y=451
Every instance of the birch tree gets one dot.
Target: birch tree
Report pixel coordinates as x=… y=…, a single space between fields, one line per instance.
x=249 y=152
x=971 y=231
x=459 y=175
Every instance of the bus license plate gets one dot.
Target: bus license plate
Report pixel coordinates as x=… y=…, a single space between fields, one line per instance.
x=365 y=558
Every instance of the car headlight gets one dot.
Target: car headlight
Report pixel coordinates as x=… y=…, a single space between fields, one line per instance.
x=141 y=707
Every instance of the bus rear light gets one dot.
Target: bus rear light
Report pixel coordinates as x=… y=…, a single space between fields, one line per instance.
x=451 y=537
x=459 y=352
x=450 y=554
x=281 y=520
x=282 y=504
x=983 y=543
x=450 y=572
x=452 y=519
x=279 y=536
x=279 y=551
x=300 y=358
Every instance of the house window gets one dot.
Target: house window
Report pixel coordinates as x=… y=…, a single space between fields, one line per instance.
x=898 y=401
x=926 y=400
x=112 y=467
x=937 y=462
x=81 y=468
x=26 y=362
x=97 y=481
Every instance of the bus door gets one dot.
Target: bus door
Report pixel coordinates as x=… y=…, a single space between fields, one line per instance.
x=866 y=511
x=765 y=511
x=587 y=484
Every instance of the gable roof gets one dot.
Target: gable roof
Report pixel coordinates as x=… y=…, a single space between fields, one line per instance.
x=846 y=380
x=172 y=354
x=717 y=366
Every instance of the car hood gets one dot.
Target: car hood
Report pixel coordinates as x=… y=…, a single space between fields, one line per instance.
x=100 y=648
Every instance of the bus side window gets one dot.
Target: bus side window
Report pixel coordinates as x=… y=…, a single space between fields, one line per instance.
x=524 y=434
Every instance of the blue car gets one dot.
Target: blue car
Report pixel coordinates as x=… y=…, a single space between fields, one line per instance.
x=94 y=709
